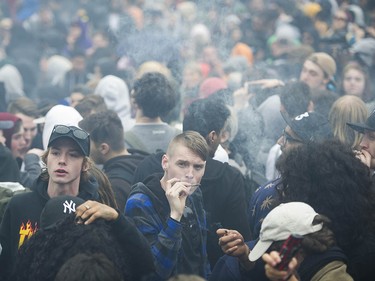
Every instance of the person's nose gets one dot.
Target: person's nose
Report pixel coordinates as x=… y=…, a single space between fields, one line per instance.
x=280 y=141
x=364 y=143
x=190 y=173
x=23 y=141
x=27 y=135
x=62 y=159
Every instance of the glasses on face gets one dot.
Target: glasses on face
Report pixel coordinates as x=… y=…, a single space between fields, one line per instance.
x=63 y=130
x=288 y=138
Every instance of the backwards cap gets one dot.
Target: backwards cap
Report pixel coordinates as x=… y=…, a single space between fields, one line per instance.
x=325 y=62
x=310 y=126
x=281 y=222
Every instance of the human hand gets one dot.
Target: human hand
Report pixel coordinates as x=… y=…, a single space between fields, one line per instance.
x=271 y=260
x=90 y=211
x=241 y=98
x=232 y=244
x=176 y=192
x=266 y=83
x=36 y=151
x=365 y=158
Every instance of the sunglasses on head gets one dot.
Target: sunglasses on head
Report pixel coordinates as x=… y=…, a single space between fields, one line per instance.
x=77 y=132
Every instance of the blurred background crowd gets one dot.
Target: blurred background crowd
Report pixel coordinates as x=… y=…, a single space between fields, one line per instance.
x=58 y=52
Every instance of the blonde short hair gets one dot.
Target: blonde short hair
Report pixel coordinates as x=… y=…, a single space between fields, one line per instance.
x=348 y=108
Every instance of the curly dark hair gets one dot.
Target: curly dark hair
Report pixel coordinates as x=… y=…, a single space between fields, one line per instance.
x=320 y=241
x=154 y=94
x=41 y=257
x=336 y=184
x=83 y=267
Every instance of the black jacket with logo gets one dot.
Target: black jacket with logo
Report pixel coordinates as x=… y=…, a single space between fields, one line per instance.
x=21 y=219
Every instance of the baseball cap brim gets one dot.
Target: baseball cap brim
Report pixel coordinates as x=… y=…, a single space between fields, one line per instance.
x=55 y=137
x=6 y=124
x=360 y=127
x=260 y=248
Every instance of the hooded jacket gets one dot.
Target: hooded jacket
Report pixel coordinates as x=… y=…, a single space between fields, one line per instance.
x=9 y=170
x=172 y=242
x=224 y=200
x=13 y=82
x=115 y=93
x=120 y=171
x=21 y=219
x=59 y=115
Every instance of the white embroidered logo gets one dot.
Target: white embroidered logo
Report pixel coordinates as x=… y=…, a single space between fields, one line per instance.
x=69 y=207
x=300 y=117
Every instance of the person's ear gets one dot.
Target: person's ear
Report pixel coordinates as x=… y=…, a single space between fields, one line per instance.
x=104 y=148
x=310 y=107
x=211 y=137
x=164 y=162
x=85 y=166
x=325 y=82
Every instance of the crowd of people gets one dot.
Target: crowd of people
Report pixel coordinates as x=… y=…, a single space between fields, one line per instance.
x=186 y=140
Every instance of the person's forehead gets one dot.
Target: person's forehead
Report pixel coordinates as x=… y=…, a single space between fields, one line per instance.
x=26 y=119
x=183 y=153
x=311 y=66
x=354 y=72
x=65 y=142
x=340 y=13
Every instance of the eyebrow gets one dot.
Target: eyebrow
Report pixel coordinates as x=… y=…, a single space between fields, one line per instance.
x=180 y=161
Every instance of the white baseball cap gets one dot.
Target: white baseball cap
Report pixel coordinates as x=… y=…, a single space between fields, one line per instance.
x=281 y=222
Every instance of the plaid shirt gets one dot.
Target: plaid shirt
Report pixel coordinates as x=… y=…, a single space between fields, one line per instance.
x=164 y=233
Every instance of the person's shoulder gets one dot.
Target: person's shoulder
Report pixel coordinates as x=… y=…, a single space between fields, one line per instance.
x=218 y=171
x=138 y=199
x=22 y=200
x=268 y=188
x=139 y=192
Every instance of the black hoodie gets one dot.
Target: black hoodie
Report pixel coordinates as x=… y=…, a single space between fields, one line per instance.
x=183 y=250
x=120 y=171
x=21 y=219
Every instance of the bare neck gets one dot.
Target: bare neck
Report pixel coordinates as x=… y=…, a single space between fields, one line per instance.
x=55 y=189
x=140 y=118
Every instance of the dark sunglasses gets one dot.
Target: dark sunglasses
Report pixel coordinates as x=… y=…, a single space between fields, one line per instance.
x=77 y=132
